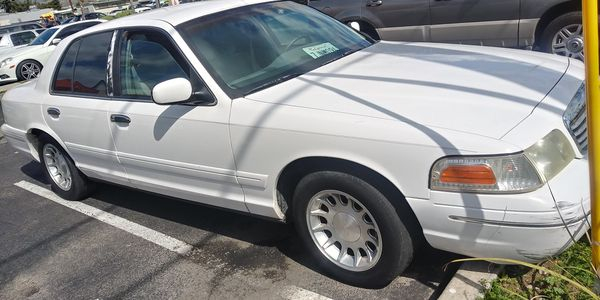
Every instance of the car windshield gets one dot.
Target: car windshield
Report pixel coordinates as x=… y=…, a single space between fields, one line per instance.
x=254 y=47
x=44 y=37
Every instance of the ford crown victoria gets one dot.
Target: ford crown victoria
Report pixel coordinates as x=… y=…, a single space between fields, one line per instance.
x=277 y=110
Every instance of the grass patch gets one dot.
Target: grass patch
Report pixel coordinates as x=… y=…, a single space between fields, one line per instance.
x=519 y=282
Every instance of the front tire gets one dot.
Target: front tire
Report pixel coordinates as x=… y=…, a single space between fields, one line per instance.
x=351 y=229
x=65 y=179
x=28 y=69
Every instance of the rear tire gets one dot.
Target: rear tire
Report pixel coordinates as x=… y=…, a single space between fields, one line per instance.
x=563 y=36
x=380 y=246
x=65 y=179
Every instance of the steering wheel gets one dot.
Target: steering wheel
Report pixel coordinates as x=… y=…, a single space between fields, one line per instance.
x=289 y=46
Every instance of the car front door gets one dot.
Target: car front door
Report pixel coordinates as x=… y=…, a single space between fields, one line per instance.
x=478 y=22
x=181 y=150
x=77 y=107
x=343 y=10
x=399 y=20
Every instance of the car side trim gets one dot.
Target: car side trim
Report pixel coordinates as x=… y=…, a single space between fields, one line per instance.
x=520 y=224
x=196 y=171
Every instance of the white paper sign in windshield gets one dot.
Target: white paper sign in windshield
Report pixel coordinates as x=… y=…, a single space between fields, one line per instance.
x=320 y=50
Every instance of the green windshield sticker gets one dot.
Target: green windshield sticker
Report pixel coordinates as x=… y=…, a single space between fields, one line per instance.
x=320 y=50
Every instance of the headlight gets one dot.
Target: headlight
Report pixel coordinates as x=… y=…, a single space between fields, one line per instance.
x=513 y=173
x=5 y=62
x=551 y=154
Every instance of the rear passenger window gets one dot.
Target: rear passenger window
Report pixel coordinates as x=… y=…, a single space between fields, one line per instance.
x=83 y=68
x=89 y=76
x=63 y=82
x=22 y=38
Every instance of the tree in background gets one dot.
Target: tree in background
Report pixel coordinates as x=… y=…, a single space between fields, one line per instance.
x=53 y=4
x=11 y=6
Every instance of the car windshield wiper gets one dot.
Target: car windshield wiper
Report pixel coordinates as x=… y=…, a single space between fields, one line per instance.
x=273 y=82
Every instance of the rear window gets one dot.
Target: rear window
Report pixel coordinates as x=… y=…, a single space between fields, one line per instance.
x=22 y=38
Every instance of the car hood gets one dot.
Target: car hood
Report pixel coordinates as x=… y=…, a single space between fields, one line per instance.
x=27 y=50
x=10 y=51
x=473 y=89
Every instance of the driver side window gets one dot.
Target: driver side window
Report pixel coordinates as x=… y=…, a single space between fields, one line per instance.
x=147 y=58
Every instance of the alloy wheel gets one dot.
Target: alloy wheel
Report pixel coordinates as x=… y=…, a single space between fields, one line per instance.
x=569 y=41
x=56 y=164
x=344 y=230
x=30 y=70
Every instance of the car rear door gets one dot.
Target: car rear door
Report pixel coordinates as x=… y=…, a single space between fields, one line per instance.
x=399 y=20
x=77 y=107
x=179 y=150
x=478 y=22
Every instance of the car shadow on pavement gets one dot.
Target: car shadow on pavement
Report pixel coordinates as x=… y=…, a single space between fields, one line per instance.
x=428 y=267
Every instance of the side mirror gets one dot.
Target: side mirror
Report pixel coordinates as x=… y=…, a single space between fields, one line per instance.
x=55 y=42
x=172 y=91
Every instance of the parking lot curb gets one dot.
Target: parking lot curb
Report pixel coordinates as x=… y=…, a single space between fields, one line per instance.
x=469 y=280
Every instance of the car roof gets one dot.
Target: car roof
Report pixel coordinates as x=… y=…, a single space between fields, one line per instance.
x=16 y=32
x=18 y=24
x=182 y=13
x=75 y=23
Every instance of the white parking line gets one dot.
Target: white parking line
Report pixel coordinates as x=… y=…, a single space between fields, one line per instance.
x=297 y=293
x=146 y=233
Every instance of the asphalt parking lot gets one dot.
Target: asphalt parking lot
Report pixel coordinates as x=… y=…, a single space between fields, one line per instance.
x=50 y=251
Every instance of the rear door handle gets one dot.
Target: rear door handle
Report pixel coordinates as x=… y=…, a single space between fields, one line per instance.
x=373 y=3
x=120 y=119
x=53 y=112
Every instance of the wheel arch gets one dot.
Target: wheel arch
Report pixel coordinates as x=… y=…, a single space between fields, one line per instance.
x=26 y=60
x=33 y=140
x=293 y=172
x=553 y=13
x=363 y=22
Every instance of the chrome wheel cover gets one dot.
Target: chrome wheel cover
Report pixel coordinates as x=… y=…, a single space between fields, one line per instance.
x=56 y=164
x=344 y=230
x=569 y=41
x=30 y=71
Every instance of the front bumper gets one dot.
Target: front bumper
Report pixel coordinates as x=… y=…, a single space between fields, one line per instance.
x=528 y=227
x=8 y=75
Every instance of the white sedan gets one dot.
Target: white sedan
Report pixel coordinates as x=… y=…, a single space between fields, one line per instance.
x=277 y=110
x=27 y=62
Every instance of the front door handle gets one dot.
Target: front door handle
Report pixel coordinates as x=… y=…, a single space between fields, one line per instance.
x=53 y=112
x=120 y=119
x=373 y=3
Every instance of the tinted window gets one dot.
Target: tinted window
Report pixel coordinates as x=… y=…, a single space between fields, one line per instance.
x=67 y=31
x=63 y=81
x=146 y=59
x=89 y=76
x=22 y=38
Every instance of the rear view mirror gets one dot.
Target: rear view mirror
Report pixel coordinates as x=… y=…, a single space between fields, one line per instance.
x=55 y=42
x=172 y=91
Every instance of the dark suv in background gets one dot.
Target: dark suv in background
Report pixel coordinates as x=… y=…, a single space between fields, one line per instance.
x=552 y=26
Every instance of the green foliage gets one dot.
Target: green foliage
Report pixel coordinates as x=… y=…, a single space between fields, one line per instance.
x=548 y=280
x=53 y=4
x=12 y=6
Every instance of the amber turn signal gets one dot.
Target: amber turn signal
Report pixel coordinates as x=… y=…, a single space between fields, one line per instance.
x=468 y=174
